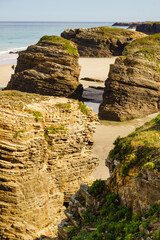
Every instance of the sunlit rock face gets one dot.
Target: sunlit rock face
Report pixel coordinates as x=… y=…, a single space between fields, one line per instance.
x=45 y=154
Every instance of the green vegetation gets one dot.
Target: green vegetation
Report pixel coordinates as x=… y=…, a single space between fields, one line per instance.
x=96 y=188
x=83 y=108
x=18 y=100
x=66 y=106
x=115 y=32
x=53 y=130
x=148 y=46
x=18 y=132
x=116 y=222
x=38 y=115
x=66 y=44
x=141 y=149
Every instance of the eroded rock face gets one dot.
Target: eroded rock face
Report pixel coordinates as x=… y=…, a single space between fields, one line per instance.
x=45 y=154
x=131 y=90
x=101 y=41
x=149 y=28
x=49 y=67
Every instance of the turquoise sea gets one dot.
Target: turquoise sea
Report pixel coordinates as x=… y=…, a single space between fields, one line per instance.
x=16 y=36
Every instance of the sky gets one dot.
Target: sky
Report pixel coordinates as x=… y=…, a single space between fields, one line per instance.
x=80 y=10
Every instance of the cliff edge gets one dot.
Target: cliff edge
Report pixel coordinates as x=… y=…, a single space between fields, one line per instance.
x=45 y=154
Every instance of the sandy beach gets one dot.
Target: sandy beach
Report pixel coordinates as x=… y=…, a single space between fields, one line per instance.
x=96 y=68
x=5 y=74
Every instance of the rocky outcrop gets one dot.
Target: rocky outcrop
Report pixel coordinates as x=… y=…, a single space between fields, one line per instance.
x=132 y=82
x=127 y=205
x=49 y=67
x=45 y=154
x=135 y=167
x=127 y=24
x=100 y=41
x=149 y=28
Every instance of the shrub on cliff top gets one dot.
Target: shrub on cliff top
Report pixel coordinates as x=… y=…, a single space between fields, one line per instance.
x=66 y=44
x=140 y=149
x=116 y=222
x=148 y=44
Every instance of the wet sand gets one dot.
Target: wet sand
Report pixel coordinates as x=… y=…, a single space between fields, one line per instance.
x=96 y=68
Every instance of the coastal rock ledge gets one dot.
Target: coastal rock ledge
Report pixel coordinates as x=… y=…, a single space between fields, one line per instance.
x=49 y=67
x=45 y=154
x=101 y=41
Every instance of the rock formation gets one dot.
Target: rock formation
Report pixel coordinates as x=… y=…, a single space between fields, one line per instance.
x=133 y=84
x=149 y=28
x=45 y=154
x=127 y=205
x=127 y=24
x=100 y=41
x=135 y=166
x=49 y=67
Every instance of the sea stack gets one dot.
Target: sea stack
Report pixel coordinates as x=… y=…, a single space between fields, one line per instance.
x=49 y=67
x=133 y=84
x=101 y=41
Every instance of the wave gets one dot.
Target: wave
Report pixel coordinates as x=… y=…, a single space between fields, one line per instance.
x=12 y=50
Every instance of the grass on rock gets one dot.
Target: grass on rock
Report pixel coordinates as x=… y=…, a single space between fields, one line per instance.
x=140 y=149
x=66 y=44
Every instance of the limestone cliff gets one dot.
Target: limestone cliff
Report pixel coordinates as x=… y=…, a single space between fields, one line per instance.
x=133 y=84
x=49 y=67
x=101 y=41
x=45 y=154
x=149 y=27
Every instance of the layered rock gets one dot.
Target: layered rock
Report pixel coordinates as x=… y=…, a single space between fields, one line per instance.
x=101 y=41
x=49 y=67
x=45 y=154
x=132 y=87
x=149 y=28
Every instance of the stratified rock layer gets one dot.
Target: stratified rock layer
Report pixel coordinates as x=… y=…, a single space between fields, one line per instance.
x=132 y=87
x=131 y=91
x=101 y=41
x=49 y=68
x=45 y=154
x=149 y=28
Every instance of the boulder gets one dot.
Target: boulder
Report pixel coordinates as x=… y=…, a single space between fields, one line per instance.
x=101 y=41
x=49 y=67
x=133 y=84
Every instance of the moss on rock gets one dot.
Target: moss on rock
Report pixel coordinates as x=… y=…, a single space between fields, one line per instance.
x=66 y=44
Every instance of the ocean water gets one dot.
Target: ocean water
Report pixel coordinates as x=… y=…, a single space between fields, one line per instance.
x=16 y=36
